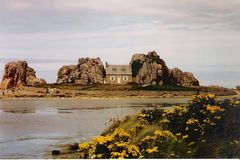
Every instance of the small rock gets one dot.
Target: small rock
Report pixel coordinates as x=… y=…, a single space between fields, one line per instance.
x=74 y=147
x=55 y=152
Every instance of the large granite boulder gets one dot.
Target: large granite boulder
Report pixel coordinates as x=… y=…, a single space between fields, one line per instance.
x=149 y=69
x=66 y=74
x=17 y=74
x=183 y=78
x=87 y=71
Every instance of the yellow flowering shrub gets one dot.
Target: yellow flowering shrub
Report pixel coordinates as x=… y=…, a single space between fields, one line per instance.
x=158 y=145
x=114 y=145
x=204 y=125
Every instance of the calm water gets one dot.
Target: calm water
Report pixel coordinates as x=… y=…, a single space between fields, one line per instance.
x=29 y=128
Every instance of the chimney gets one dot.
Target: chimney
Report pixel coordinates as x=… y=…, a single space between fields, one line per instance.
x=106 y=64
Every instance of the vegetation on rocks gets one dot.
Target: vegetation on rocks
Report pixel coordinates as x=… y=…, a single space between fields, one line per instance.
x=203 y=128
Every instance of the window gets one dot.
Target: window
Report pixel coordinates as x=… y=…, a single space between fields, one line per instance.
x=114 y=69
x=125 y=78
x=112 y=78
x=123 y=69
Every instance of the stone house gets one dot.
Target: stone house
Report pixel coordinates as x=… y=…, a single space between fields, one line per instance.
x=118 y=74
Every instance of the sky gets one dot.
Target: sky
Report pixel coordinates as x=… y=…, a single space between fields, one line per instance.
x=186 y=32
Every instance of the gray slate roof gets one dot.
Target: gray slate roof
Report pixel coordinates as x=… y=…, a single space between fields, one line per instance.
x=119 y=69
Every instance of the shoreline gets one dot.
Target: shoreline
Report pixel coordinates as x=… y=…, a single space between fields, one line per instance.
x=52 y=91
x=107 y=97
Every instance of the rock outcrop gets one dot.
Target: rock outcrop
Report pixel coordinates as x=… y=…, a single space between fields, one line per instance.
x=17 y=74
x=87 y=71
x=183 y=78
x=150 y=69
x=66 y=74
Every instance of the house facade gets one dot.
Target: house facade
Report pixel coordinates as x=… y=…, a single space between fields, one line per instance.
x=118 y=74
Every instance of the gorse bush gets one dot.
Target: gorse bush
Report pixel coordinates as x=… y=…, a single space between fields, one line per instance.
x=115 y=145
x=203 y=128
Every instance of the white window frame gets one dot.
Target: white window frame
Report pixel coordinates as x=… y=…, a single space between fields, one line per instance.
x=112 y=78
x=125 y=78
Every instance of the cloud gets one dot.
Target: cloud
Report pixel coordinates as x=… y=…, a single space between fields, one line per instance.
x=187 y=12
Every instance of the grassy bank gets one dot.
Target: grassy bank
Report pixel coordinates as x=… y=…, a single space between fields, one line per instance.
x=111 y=91
x=203 y=128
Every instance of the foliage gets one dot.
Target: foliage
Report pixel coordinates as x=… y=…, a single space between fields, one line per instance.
x=203 y=128
x=114 y=145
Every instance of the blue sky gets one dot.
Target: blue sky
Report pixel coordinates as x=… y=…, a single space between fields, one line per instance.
x=186 y=32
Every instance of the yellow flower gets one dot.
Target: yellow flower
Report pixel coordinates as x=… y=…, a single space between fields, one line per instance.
x=185 y=136
x=118 y=144
x=164 y=120
x=192 y=121
x=147 y=138
x=166 y=134
x=134 y=150
x=152 y=150
x=218 y=117
x=178 y=134
x=120 y=133
x=110 y=146
x=214 y=109
x=115 y=154
x=212 y=124
x=207 y=120
x=99 y=155
x=142 y=115
x=84 y=146
x=212 y=96
x=119 y=155
x=103 y=139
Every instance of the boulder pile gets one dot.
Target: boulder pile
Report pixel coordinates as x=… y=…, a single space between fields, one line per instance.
x=87 y=71
x=150 y=69
x=17 y=74
x=183 y=78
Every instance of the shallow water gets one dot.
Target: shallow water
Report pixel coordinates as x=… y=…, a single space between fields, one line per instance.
x=29 y=127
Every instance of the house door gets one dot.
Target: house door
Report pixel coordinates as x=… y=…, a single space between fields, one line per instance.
x=119 y=80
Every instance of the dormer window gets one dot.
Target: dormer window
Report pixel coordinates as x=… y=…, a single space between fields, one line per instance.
x=114 y=69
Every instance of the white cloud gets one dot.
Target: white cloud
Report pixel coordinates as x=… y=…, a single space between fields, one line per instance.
x=216 y=14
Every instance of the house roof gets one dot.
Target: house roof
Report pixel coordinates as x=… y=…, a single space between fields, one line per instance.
x=119 y=69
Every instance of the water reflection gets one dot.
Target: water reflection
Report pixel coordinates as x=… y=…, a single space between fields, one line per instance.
x=30 y=127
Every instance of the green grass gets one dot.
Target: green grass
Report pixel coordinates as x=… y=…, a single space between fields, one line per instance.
x=165 y=88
